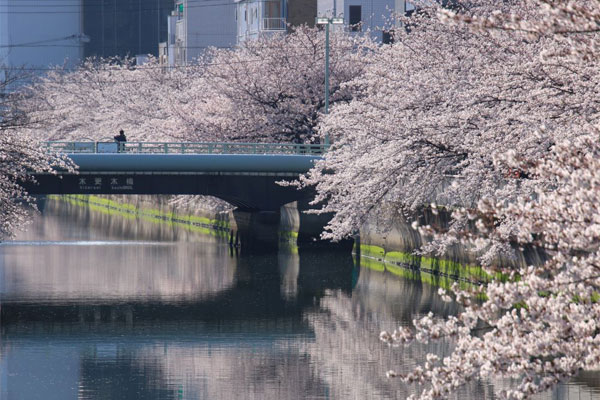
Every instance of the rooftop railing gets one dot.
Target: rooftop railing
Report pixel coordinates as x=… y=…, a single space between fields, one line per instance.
x=274 y=24
x=186 y=148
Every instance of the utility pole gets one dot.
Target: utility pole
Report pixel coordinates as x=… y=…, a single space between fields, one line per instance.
x=327 y=21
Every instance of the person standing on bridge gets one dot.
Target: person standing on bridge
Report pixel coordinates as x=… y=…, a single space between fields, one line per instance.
x=120 y=138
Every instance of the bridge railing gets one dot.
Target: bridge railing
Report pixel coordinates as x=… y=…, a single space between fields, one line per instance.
x=185 y=148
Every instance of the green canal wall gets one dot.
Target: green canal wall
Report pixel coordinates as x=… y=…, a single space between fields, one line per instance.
x=389 y=248
x=156 y=210
x=266 y=230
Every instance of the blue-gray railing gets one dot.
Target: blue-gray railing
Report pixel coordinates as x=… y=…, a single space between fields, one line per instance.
x=185 y=148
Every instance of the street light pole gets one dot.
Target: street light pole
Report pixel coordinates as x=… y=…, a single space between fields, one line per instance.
x=327 y=71
x=327 y=21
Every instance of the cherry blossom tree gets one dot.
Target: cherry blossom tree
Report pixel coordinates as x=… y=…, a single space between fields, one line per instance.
x=272 y=89
x=10 y=79
x=99 y=98
x=572 y=22
x=20 y=153
x=541 y=328
x=269 y=89
x=499 y=123
x=431 y=111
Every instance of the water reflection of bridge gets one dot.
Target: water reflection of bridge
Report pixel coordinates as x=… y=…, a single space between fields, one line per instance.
x=255 y=291
x=235 y=335
x=248 y=334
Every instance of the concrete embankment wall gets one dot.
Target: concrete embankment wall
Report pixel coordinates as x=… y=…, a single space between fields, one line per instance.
x=387 y=244
x=392 y=243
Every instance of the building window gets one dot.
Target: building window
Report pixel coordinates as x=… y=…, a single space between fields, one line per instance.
x=272 y=9
x=387 y=37
x=355 y=18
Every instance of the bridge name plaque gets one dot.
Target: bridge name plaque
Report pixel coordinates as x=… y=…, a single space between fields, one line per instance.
x=101 y=183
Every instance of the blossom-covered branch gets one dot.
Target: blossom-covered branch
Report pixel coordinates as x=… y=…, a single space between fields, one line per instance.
x=20 y=154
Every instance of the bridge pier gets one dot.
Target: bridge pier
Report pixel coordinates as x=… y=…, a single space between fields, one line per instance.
x=256 y=231
x=309 y=227
x=262 y=231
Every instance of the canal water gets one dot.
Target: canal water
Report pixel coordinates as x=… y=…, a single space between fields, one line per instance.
x=100 y=306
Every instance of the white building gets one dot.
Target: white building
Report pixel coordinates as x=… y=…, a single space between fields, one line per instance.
x=262 y=17
x=256 y=17
x=375 y=16
x=40 y=33
x=195 y=26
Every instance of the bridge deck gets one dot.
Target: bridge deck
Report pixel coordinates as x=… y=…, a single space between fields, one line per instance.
x=223 y=163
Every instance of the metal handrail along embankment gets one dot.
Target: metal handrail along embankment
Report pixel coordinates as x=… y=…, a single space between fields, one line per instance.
x=185 y=148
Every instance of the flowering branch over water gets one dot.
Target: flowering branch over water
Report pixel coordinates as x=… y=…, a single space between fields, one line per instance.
x=538 y=324
x=20 y=153
x=541 y=328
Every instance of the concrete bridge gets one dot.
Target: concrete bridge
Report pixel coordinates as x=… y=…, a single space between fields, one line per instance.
x=243 y=174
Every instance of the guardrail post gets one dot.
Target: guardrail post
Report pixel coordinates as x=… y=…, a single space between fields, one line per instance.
x=166 y=148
